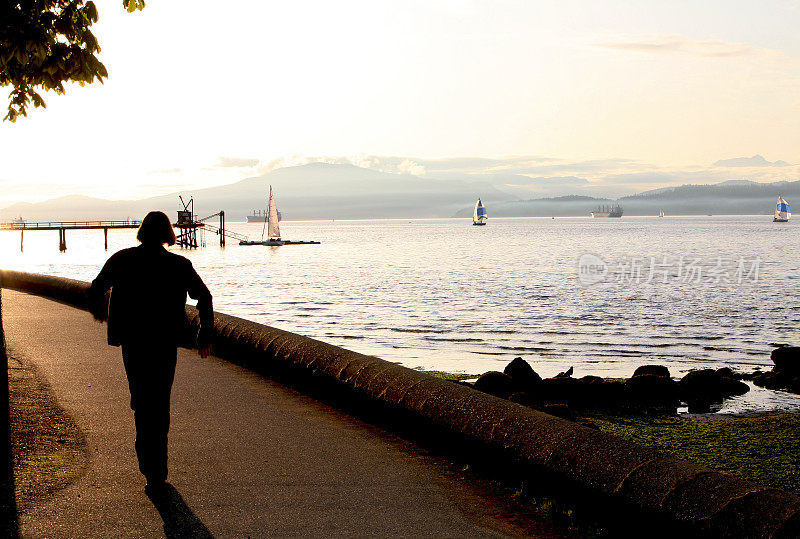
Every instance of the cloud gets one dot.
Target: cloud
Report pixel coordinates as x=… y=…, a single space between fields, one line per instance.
x=237 y=162
x=669 y=177
x=578 y=166
x=677 y=44
x=165 y=171
x=471 y=164
x=391 y=165
x=548 y=183
x=755 y=161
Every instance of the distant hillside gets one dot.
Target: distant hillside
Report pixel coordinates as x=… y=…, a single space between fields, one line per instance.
x=328 y=191
x=726 y=198
x=739 y=197
x=69 y=208
x=313 y=191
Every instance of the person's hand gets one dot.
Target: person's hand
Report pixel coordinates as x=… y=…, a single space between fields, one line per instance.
x=204 y=351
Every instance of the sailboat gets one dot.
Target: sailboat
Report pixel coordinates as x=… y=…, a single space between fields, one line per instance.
x=783 y=212
x=271 y=226
x=479 y=215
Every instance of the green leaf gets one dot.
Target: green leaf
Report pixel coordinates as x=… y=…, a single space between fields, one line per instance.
x=46 y=43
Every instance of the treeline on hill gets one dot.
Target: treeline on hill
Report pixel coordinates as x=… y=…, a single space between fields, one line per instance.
x=728 y=198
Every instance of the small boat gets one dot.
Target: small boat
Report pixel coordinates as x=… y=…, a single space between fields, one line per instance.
x=661 y=213
x=271 y=226
x=783 y=212
x=479 y=215
x=607 y=211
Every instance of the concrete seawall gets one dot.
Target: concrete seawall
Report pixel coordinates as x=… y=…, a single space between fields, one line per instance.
x=708 y=501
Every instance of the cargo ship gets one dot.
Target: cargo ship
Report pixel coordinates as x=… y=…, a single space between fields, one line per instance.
x=608 y=211
x=259 y=216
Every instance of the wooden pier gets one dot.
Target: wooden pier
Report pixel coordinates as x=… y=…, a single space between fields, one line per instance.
x=187 y=226
x=63 y=226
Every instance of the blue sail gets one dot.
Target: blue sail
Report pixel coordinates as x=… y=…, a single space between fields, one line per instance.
x=783 y=212
x=479 y=215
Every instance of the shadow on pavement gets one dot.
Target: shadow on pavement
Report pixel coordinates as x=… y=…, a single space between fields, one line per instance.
x=179 y=520
x=9 y=526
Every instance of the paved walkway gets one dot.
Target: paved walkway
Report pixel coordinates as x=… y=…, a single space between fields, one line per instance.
x=248 y=457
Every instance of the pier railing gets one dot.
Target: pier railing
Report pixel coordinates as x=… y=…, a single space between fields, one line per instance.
x=56 y=225
x=526 y=440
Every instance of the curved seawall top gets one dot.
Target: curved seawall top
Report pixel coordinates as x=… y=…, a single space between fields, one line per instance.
x=708 y=501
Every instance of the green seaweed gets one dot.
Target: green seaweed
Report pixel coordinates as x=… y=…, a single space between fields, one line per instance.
x=456 y=376
x=763 y=449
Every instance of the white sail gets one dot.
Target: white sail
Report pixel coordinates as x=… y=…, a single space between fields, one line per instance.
x=273 y=228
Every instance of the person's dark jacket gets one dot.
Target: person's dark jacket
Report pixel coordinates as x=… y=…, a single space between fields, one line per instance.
x=148 y=295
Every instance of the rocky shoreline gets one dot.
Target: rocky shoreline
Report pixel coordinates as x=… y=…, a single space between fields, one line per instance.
x=651 y=390
x=785 y=375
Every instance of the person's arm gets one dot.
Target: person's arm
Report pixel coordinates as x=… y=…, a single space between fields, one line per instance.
x=199 y=291
x=98 y=292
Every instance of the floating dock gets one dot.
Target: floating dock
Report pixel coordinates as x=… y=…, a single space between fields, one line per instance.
x=278 y=243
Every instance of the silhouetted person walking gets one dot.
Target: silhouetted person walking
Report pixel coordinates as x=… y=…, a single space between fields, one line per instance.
x=146 y=316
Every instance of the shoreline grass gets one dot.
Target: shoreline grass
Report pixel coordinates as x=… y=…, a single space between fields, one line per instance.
x=763 y=449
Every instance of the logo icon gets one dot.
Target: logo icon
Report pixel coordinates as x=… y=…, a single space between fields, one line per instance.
x=591 y=269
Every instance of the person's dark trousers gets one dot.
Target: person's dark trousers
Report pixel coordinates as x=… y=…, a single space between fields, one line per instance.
x=151 y=369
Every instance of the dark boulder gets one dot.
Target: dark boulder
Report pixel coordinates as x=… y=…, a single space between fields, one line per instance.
x=787 y=360
x=699 y=382
x=495 y=383
x=731 y=386
x=778 y=380
x=610 y=395
x=520 y=397
x=562 y=390
x=654 y=370
x=727 y=372
x=701 y=388
x=650 y=393
x=786 y=372
x=702 y=406
x=600 y=394
x=522 y=374
x=770 y=380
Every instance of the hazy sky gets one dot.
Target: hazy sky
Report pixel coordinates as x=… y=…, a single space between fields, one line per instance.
x=203 y=93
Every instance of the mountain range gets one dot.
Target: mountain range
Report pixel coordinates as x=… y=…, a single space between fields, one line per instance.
x=343 y=191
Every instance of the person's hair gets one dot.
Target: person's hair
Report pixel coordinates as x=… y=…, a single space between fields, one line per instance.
x=156 y=228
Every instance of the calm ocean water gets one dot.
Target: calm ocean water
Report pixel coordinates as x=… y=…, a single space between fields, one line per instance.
x=601 y=295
